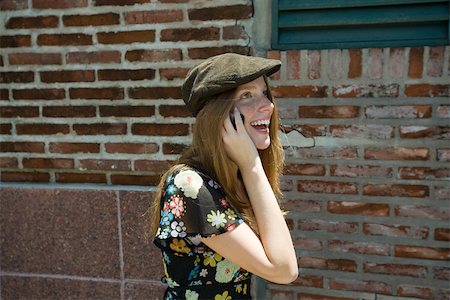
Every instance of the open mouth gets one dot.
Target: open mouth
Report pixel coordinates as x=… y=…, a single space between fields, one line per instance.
x=261 y=124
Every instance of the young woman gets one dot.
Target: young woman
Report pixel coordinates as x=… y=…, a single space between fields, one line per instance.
x=216 y=214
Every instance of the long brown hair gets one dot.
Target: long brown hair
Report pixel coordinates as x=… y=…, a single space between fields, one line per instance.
x=208 y=152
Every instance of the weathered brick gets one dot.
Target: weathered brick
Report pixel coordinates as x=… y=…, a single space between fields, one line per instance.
x=48 y=163
x=69 y=39
x=233 y=12
x=366 y=91
x=414 y=132
x=396 y=269
x=13 y=4
x=301 y=205
x=19 y=77
x=360 y=285
x=19 y=112
x=105 y=57
x=355 y=64
x=153 y=166
x=361 y=171
x=137 y=148
x=393 y=230
x=442 y=234
x=142 y=180
x=441 y=193
x=160 y=129
x=344 y=265
x=328 y=187
x=328 y=226
x=362 y=131
x=415 y=62
x=4 y=94
x=203 y=53
x=443 y=155
x=67 y=76
x=100 y=129
x=42 y=129
x=293 y=64
x=127 y=111
x=422 y=292
x=328 y=152
x=110 y=93
x=91 y=20
x=442 y=273
x=398 y=111
x=396 y=56
x=31 y=147
x=69 y=111
x=154 y=55
x=155 y=93
x=307 y=244
x=427 y=90
x=172 y=148
x=358 y=208
x=375 y=63
x=435 y=63
x=32 y=22
x=335 y=64
x=105 y=164
x=190 y=34
x=280 y=295
x=80 y=177
x=38 y=94
x=60 y=147
x=305 y=91
x=44 y=4
x=234 y=32
x=396 y=190
x=6 y=176
x=423 y=173
x=130 y=74
x=29 y=58
x=327 y=112
x=314 y=64
x=443 y=111
x=5 y=128
x=173 y=73
x=419 y=252
x=8 y=163
x=304 y=169
x=309 y=281
x=359 y=247
x=177 y=111
x=119 y=2
x=154 y=17
x=15 y=41
x=126 y=37
x=397 y=153
x=319 y=296
x=436 y=213
x=274 y=54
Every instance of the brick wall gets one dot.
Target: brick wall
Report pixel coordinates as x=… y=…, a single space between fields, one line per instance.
x=89 y=93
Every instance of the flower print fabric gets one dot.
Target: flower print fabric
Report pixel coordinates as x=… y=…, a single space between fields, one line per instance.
x=193 y=206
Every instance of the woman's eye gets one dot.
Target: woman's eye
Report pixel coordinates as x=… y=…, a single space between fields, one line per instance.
x=246 y=95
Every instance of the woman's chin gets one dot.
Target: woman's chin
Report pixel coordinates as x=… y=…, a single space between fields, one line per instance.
x=262 y=145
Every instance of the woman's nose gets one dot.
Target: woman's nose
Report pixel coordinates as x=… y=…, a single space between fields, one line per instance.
x=265 y=104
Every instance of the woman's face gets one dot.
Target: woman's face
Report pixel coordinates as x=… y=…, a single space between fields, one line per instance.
x=257 y=109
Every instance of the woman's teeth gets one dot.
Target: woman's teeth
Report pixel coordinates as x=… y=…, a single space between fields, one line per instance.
x=260 y=122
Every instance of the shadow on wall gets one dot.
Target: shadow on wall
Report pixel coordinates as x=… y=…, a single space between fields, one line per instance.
x=69 y=243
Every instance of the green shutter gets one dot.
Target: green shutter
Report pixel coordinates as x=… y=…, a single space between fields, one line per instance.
x=322 y=24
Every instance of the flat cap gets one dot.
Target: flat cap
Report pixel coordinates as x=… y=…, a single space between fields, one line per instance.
x=223 y=73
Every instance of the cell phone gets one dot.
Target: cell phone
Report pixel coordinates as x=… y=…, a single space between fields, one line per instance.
x=233 y=121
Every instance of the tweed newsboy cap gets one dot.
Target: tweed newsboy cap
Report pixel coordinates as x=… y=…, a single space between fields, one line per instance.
x=223 y=73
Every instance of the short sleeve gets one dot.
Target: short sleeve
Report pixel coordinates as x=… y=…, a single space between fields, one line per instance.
x=193 y=204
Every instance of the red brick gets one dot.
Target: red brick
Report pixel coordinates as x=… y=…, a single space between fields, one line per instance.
x=42 y=129
x=68 y=76
x=398 y=112
x=19 y=112
x=359 y=247
x=443 y=154
x=155 y=93
x=415 y=62
x=419 y=252
x=154 y=55
x=301 y=205
x=43 y=4
x=126 y=37
x=274 y=54
x=397 y=153
x=74 y=147
x=172 y=148
x=119 y=2
x=427 y=90
x=100 y=129
x=35 y=58
x=304 y=169
x=435 y=132
x=80 y=178
x=142 y=180
x=328 y=152
x=104 y=57
x=366 y=91
x=130 y=74
x=234 y=12
x=203 y=53
x=293 y=64
x=38 y=94
x=105 y=164
x=173 y=73
x=441 y=273
x=362 y=131
x=314 y=64
x=234 y=32
x=31 y=147
x=328 y=187
x=48 y=163
x=361 y=286
x=358 y=208
x=110 y=93
x=307 y=244
x=160 y=129
x=396 y=269
x=5 y=128
x=15 y=41
x=344 y=265
x=154 y=17
x=18 y=77
x=442 y=234
x=328 y=112
x=136 y=148
x=435 y=62
x=91 y=20
x=309 y=280
x=153 y=166
x=304 y=91
x=6 y=176
x=443 y=111
x=127 y=111
x=8 y=163
x=435 y=213
x=4 y=94
x=393 y=230
x=396 y=190
x=423 y=292
x=361 y=171
x=328 y=226
x=70 y=39
x=32 y=22
x=423 y=173
x=318 y=296
x=177 y=111
x=190 y=34
x=13 y=4
x=355 y=65
x=69 y=111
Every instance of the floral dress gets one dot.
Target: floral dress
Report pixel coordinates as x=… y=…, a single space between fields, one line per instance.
x=193 y=205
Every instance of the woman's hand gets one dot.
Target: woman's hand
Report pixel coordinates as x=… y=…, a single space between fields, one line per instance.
x=238 y=144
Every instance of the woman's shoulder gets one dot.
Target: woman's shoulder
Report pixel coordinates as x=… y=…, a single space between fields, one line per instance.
x=182 y=175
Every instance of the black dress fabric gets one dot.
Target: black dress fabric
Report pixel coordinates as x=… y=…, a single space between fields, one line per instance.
x=193 y=205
